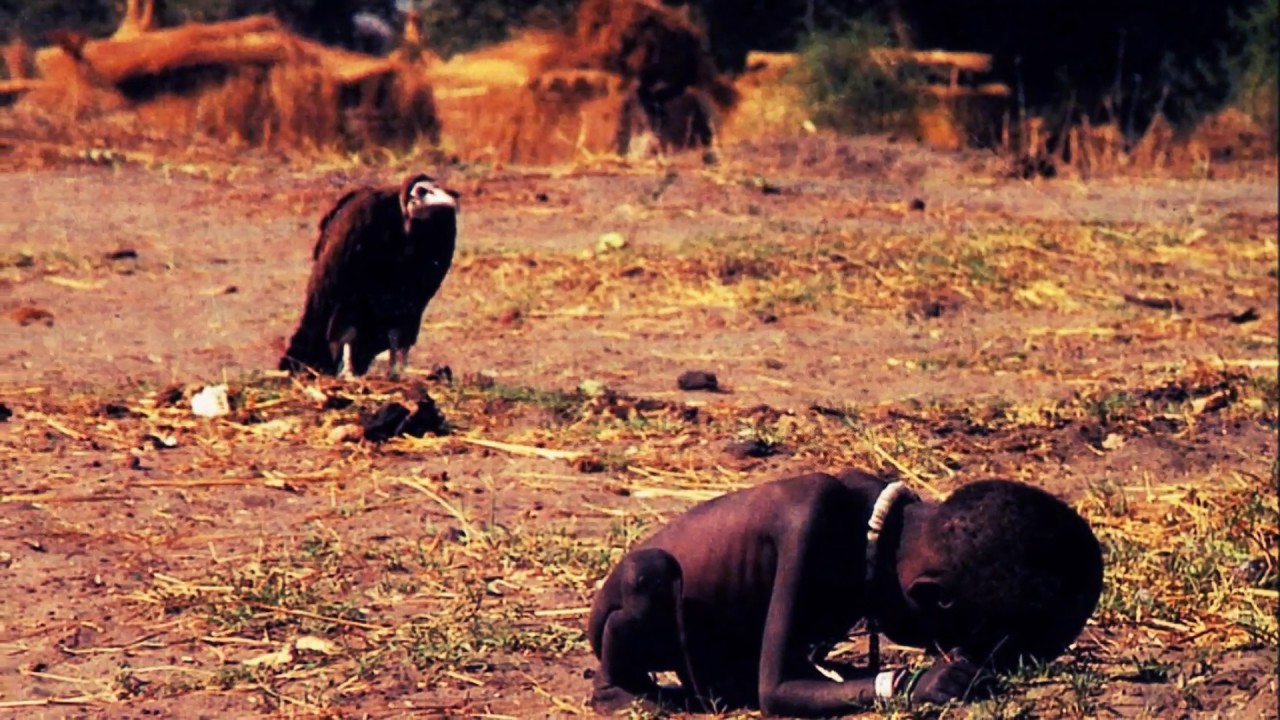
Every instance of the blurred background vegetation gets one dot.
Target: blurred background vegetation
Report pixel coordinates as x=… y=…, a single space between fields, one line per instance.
x=846 y=89
x=1115 y=61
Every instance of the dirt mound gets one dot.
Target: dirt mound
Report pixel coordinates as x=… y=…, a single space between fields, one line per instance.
x=634 y=74
x=249 y=80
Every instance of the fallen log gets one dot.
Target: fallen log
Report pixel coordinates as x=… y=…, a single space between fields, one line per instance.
x=19 y=86
x=257 y=40
x=114 y=60
x=967 y=61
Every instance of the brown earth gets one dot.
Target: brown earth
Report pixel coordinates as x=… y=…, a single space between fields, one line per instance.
x=985 y=332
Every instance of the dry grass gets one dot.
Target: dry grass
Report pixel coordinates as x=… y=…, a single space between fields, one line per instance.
x=1088 y=150
x=256 y=561
x=334 y=609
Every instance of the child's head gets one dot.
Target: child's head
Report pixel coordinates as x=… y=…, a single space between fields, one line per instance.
x=1011 y=572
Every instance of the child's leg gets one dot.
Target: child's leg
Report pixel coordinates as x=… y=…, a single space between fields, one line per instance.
x=634 y=630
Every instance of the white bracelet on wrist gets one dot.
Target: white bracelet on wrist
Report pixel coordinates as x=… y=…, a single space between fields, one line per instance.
x=886 y=684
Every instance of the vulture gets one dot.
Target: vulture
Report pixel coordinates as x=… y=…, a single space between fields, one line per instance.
x=381 y=256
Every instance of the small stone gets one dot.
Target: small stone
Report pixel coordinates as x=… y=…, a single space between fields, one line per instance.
x=426 y=418
x=698 y=380
x=211 y=402
x=115 y=410
x=609 y=242
x=344 y=433
x=510 y=316
x=385 y=423
x=588 y=465
x=29 y=315
x=441 y=374
x=750 y=448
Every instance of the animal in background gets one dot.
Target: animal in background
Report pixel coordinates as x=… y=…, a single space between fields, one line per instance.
x=381 y=256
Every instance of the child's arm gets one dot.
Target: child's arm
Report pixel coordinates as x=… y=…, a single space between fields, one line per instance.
x=945 y=681
x=786 y=683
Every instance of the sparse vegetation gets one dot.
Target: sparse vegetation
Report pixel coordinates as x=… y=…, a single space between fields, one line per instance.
x=848 y=89
x=1256 y=67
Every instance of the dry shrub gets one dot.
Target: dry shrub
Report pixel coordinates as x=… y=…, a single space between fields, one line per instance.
x=633 y=69
x=301 y=104
x=569 y=114
x=389 y=109
x=482 y=96
x=1087 y=150
x=670 y=87
x=952 y=119
x=285 y=105
x=72 y=90
x=513 y=63
x=1234 y=134
x=644 y=41
x=475 y=121
x=770 y=102
x=558 y=116
x=938 y=126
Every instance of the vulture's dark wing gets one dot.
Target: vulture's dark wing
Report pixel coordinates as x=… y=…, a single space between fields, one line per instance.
x=355 y=242
x=333 y=212
x=352 y=234
x=354 y=255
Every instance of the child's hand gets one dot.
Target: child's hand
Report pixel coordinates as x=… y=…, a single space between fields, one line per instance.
x=946 y=680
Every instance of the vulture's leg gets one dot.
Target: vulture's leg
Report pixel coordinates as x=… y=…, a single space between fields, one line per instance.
x=345 y=368
x=393 y=343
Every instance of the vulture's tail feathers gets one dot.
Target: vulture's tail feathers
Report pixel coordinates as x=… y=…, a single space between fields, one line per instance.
x=309 y=349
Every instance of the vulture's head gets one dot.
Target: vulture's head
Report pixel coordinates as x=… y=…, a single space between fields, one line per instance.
x=421 y=198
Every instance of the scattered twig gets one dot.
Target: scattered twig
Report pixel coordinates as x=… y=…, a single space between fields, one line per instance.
x=908 y=472
x=317 y=616
x=525 y=450
x=43 y=702
x=73 y=434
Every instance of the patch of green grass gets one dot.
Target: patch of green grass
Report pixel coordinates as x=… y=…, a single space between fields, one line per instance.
x=558 y=402
x=1110 y=407
x=980 y=271
x=439 y=603
x=1191 y=561
x=1068 y=687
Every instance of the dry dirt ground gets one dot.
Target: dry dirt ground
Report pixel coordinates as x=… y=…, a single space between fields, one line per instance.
x=1112 y=340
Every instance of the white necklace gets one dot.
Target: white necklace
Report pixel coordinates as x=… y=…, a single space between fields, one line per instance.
x=885 y=501
x=879 y=512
